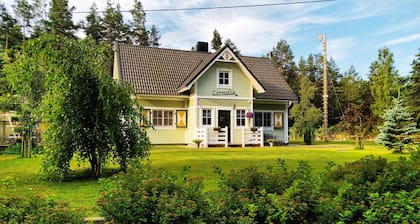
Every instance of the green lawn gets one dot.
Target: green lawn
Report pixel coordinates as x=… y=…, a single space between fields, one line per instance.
x=83 y=193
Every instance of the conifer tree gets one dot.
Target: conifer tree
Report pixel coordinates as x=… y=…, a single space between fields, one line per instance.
x=282 y=56
x=398 y=126
x=138 y=29
x=384 y=83
x=115 y=29
x=25 y=11
x=216 y=42
x=61 y=19
x=229 y=43
x=154 y=37
x=94 y=28
x=414 y=88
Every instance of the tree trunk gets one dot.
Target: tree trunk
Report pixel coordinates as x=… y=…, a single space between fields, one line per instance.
x=30 y=144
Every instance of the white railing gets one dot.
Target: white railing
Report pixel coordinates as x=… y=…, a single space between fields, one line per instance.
x=219 y=136
x=213 y=136
x=252 y=136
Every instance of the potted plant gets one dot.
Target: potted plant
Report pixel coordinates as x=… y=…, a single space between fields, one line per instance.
x=271 y=142
x=198 y=142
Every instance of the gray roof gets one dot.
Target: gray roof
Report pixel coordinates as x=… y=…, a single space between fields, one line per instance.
x=159 y=71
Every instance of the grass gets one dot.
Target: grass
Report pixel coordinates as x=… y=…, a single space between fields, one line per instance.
x=83 y=193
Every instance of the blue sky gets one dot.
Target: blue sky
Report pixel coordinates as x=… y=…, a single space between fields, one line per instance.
x=355 y=29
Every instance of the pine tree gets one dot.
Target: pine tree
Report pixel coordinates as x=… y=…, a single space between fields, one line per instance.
x=229 y=43
x=154 y=37
x=216 y=42
x=115 y=29
x=61 y=18
x=94 y=28
x=25 y=12
x=138 y=29
x=384 y=83
x=398 y=126
x=10 y=31
x=282 y=57
x=414 y=88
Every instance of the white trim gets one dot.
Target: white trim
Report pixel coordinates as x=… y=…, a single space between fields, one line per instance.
x=211 y=117
x=254 y=82
x=160 y=97
x=236 y=117
x=224 y=97
x=271 y=127
x=230 y=78
x=162 y=127
x=286 y=125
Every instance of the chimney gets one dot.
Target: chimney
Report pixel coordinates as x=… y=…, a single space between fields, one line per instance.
x=202 y=46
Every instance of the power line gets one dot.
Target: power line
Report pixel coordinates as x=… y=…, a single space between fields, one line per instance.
x=215 y=7
x=236 y=6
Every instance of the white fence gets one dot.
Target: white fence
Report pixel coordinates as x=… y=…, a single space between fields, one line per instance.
x=254 y=136
x=219 y=136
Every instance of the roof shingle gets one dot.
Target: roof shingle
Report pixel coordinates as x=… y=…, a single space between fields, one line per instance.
x=159 y=71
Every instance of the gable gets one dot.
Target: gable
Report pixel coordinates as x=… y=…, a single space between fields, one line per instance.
x=226 y=55
x=238 y=83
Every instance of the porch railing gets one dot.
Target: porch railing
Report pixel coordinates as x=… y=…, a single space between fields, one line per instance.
x=252 y=136
x=219 y=136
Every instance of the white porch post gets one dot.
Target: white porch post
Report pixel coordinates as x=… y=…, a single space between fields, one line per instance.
x=243 y=137
x=286 y=125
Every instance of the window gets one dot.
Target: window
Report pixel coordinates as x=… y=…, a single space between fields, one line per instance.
x=206 y=117
x=163 y=118
x=262 y=119
x=224 y=79
x=240 y=117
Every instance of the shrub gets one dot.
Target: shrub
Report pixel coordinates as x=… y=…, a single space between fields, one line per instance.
x=399 y=207
x=34 y=209
x=12 y=149
x=146 y=196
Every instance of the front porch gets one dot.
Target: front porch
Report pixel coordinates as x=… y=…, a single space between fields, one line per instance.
x=210 y=136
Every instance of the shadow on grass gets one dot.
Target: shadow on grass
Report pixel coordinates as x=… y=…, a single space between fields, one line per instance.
x=85 y=174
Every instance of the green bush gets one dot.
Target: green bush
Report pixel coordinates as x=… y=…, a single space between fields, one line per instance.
x=399 y=207
x=370 y=190
x=34 y=209
x=146 y=196
x=12 y=149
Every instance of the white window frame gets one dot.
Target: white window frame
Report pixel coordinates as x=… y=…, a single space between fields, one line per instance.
x=242 y=117
x=210 y=113
x=230 y=75
x=263 y=113
x=163 y=118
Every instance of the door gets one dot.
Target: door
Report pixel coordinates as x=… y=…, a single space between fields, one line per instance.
x=224 y=120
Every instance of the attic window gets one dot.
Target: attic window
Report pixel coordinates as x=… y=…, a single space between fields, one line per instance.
x=224 y=79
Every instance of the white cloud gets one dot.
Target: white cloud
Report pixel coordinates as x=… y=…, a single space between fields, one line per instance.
x=402 y=40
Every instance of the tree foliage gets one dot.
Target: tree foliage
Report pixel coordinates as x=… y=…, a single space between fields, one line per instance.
x=384 y=84
x=139 y=34
x=115 y=30
x=85 y=112
x=93 y=27
x=216 y=42
x=304 y=113
x=61 y=18
x=282 y=56
x=90 y=115
x=398 y=126
x=235 y=49
x=414 y=88
x=154 y=37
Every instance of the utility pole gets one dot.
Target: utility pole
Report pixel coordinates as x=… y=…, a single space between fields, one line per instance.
x=323 y=38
